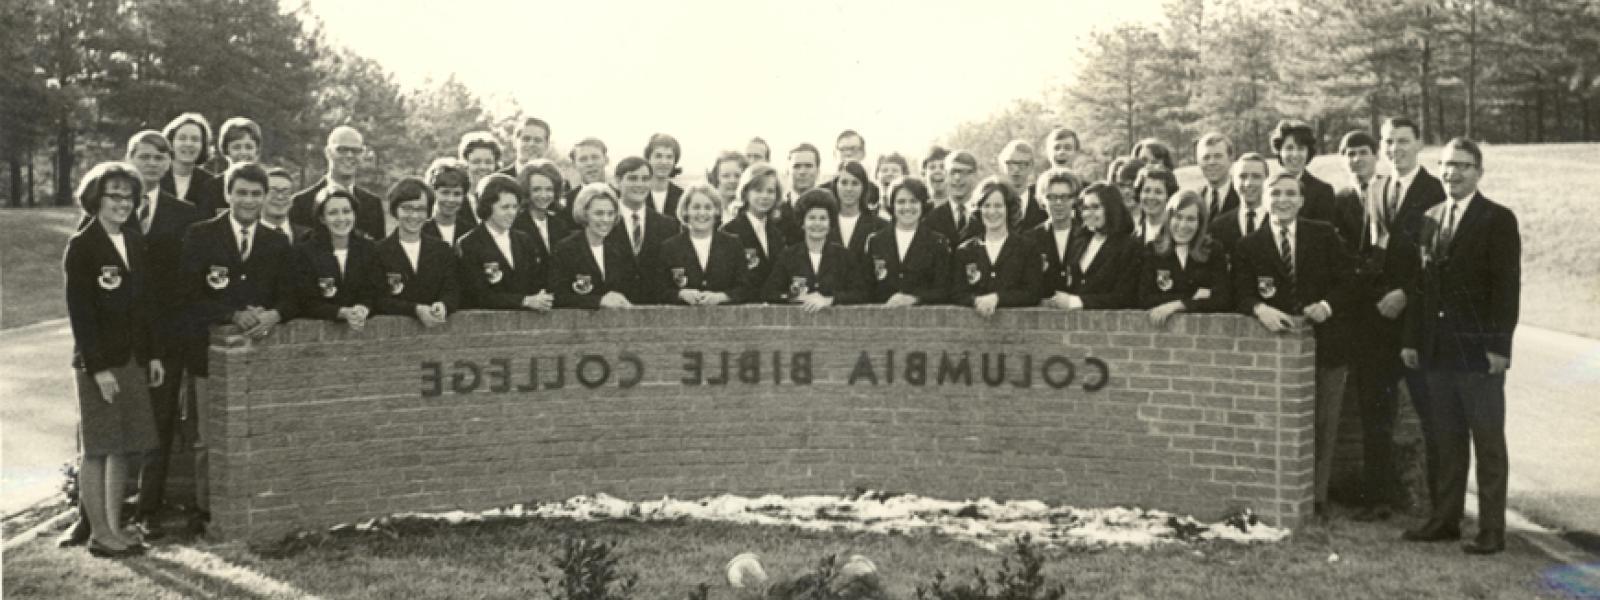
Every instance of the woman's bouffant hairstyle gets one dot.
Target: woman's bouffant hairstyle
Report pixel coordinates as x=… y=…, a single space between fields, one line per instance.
x=869 y=192
x=406 y=190
x=236 y=128
x=476 y=140
x=546 y=168
x=758 y=173
x=816 y=198
x=152 y=137
x=662 y=140
x=1158 y=149
x=989 y=186
x=918 y=189
x=1199 y=247
x=588 y=194
x=93 y=187
x=699 y=189
x=726 y=156
x=492 y=187
x=446 y=172
x=191 y=118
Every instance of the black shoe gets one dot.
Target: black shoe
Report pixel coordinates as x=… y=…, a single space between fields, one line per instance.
x=1371 y=514
x=1432 y=531
x=76 y=535
x=1487 y=542
x=98 y=551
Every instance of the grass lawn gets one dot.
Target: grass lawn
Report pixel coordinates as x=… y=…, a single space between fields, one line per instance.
x=504 y=559
x=32 y=241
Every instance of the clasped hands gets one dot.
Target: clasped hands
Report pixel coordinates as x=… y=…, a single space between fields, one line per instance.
x=694 y=297
x=256 y=322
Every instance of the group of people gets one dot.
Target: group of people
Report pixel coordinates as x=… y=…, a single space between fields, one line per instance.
x=1402 y=277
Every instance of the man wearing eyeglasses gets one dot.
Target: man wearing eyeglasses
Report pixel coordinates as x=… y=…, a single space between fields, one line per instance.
x=1016 y=163
x=344 y=151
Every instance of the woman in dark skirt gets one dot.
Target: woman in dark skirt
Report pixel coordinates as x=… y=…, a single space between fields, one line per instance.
x=996 y=269
x=705 y=266
x=500 y=268
x=1105 y=259
x=593 y=269
x=109 y=307
x=336 y=270
x=416 y=274
x=1185 y=271
x=909 y=263
x=818 y=272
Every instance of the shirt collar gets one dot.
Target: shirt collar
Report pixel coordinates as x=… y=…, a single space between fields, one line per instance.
x=237 y=226
x=1406 y=179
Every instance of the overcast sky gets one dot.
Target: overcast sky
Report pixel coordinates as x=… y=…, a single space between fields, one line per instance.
x=713 y=73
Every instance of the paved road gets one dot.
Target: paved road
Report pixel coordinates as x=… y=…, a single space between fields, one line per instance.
x=1553 y=420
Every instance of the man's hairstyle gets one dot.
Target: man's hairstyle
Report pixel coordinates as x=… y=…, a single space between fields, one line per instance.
x=1008 y=195
x=1055 y=175
x=152 y=137
x=918 y=189
x=588 y=194
x=806 y=147
x=936 y=154
x=662 y=140
x=446 y=172
x=1056 y=134
x=814 y=198
x=1250 y=157
x=1118 y=221
x=492 y=187
x=1012 y=147
x=766 y=153
x=847 y=134
x=699 y=189
x=547 y=168
x=1300 y=132
x=191 y=118
x=1157 y=174
x=589 y=142
x=963 y=157
x=247 y=171
x=93 y=187
x=1357 y=139
x=1209 y=139
x=1158 y=149
x=406 y=190
x=629 y=165
x=535 y=122
x=724 y=157
x=236 y=128
x=479 y=140
x=893 y=158
x=756 y=174
x=280 y=172
x=1392 y=123
x=1282 y=175
x=1464 y=145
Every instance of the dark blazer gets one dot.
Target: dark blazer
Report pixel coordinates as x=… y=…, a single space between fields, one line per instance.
x=109 y=301
x=1056 y=274
x=1225 y=231
x=925 y=272
x=323 y=289
x=1230 y=200
x=1324 y=271
x=674 y=193
x=369 y=209
x=400 y=289
x=164 y=247
x=784 y=216
x=1319 y=204
x=758 y=260
x=556 y=220
x=1384 y=269
x=296 y=232
x=942 y=219
x=839 y=277
x=1014 y=276
x=1112 y=279
x=1469 y=292
x=1350 y=214
x=431 y=229
x=577 y=280
x=866 y=225
x=653 y=286
x=493 y=280
x=215 y=282
x=726 y=270
x=1164 y=279
x=1033 y=211
x=205 y=192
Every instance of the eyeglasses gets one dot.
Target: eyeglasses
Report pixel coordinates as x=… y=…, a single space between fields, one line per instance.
x=1019 y=164
x=349 y=151
x=1058 y=197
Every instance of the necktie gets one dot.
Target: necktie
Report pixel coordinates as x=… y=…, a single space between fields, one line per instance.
x=638 y=233
x=1250 y=222
x=961 y=218
x=1390 y=199
x=244 y=243
x=1214 y=205
x=1286 y=253
x=144 y=218
x=1447 y=230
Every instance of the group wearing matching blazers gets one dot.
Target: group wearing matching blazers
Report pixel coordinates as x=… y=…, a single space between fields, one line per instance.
x=580 y=282
x=1012 y=276
x=724 y=269
x=111 y=309
x=1202 y=285
x=1110 y=277
x=493 y=280
x=324 y=286
x=924 y=272
x=759 y=257
x=836 y=276
x=402 y=287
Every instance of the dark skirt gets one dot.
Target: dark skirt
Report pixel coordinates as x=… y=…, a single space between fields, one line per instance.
x=125 y=425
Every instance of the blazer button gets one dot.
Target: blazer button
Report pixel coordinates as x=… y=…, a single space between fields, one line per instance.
x=243 y=277
x=1441 y=314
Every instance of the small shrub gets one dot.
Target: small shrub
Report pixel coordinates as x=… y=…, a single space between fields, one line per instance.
x=588 y=571
x=1022 y=581
x=828 y=581
x=69 y=482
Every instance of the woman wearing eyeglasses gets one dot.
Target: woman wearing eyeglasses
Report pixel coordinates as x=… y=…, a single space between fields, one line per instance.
x=416 y=274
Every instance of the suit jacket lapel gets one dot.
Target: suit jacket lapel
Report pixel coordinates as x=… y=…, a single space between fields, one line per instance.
x=1466 y=223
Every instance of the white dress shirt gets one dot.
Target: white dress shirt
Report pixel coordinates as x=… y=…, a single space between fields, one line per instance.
x=759 y=224
x=702 y=249
x=599 y=254
x=902 y=241
x=413 y=251
x=242 y=233
x=502 y=240
x=847 y=227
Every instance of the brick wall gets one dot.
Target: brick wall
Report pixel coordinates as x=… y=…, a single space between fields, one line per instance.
x=317 y=425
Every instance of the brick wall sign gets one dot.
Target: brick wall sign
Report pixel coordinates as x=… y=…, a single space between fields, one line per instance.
x=316 y=424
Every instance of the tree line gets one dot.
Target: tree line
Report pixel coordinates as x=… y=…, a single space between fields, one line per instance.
x=78 y=77
x=1501 y=71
